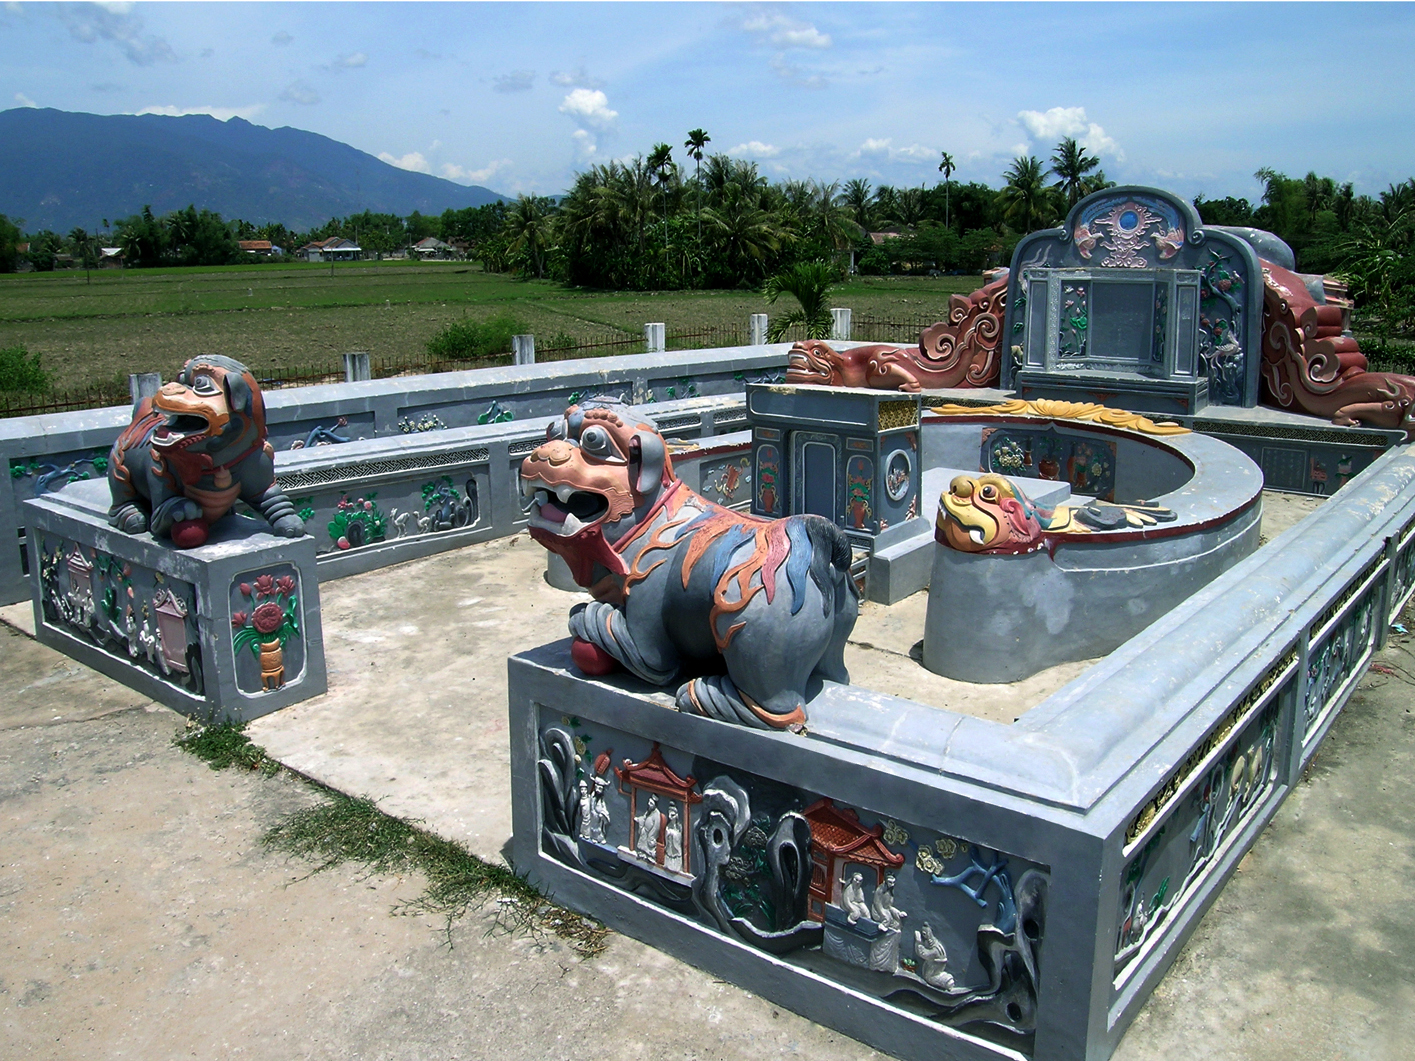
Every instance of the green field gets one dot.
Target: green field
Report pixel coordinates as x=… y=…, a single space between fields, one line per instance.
x=292 y=317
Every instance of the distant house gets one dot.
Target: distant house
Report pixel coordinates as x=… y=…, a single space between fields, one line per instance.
x=878 y=238
x=261 y=248
x=433 y=248
x=110 y=257
x=334 y=249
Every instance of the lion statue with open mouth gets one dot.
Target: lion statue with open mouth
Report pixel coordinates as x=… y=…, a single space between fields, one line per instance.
x=683 y=586
x=192 y=451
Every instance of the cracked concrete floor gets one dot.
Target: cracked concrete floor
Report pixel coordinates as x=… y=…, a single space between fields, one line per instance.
x=140 y=917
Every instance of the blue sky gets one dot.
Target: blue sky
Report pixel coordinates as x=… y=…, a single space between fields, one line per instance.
x=520 y=96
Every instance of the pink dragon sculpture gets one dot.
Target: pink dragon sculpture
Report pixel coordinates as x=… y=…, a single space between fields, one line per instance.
x=1309 y=366
x=959 y=352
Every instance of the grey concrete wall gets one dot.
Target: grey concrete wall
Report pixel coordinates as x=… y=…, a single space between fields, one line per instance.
x=216 y=680
x=32 y=447
x=1138 y=786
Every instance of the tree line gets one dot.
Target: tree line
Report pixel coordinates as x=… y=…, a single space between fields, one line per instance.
x=651 y=223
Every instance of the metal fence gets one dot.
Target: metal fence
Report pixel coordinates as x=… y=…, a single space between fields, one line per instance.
x=559 y=348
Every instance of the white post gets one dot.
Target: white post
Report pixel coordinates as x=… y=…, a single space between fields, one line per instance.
x=840 y=324
x=756 y=329
x=655 y=339
x=523 y=349
x=144 y=385
x=356 y=367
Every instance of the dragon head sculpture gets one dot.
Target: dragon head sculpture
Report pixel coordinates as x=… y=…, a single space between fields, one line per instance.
x=988 y=514
x=594 y=479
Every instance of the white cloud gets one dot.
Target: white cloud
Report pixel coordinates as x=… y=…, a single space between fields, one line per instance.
x=585 y=142
x=754 y=149
x=113 y=23
x=785 y=32
x=351 y=62
x=516 y=81
x=1058 y=122
x=413 y=160
x=221 y=114
x=24 y=101
x=590 y=106
x=577 y=78
x=300 y=92
x=474 y=176
x=281 y=39
x=875 y=146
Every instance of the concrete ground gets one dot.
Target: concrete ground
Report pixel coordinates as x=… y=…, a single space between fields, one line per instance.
x=140 y=917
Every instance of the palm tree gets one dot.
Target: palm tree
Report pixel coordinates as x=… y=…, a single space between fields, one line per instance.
x=911 y=206
x=742 y=234
x=857 y=199
x=660 y=164
x=809 y=283
x=946 y=168
x=697 y=140
x=1071 y=164
x=1024 y=200
x=529 y=225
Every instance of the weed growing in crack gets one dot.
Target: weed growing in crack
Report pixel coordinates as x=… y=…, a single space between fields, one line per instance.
x=224 y=744
x=348 y=829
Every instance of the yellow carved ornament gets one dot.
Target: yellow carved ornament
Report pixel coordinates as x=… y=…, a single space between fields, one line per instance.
x=1055 y=410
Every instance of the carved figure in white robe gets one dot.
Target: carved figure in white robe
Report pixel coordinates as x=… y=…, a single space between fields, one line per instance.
x=932 y=959
x=673 y=841
x=648 y=825
x=852 y=897
x=888 y=916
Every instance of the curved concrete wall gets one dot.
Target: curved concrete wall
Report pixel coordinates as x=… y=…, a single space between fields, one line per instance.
x=1000 y=618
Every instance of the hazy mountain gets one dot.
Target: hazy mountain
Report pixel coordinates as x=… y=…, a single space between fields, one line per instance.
x=62 y=169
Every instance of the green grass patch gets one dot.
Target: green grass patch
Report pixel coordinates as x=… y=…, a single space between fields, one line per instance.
x=224 y=745
x=343 y=829
x=297 y=319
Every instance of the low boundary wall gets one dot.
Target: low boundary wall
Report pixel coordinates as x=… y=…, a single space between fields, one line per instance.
x=43 y=453
x=1089 y=836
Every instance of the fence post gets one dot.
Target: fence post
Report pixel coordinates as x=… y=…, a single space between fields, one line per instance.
x=756 y=329
x=655 y=339
x=144 y=385
x=356 y=367
x=523 y=349
x=840 y=324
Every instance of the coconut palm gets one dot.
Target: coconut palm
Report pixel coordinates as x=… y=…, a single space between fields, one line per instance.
x=1025 y=199
x=809 y=283
x=697 y=140
x=857 y=198
x=911 y=206
x=1070 y=163
x=946 y=168
x=740 y=233
x=529 y=224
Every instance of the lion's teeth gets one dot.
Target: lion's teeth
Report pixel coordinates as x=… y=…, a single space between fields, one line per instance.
x=528 y=487
x=572 y=524
x=976 y=533
x=563 y=491
x=542 y=498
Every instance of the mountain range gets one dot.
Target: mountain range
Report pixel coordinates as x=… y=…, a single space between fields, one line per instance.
x=64 y=169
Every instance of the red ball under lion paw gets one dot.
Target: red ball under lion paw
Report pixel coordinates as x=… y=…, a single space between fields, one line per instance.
x=189 y=533
x=591 y=659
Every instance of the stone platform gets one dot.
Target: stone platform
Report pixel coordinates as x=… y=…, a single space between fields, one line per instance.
x=228 y=630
